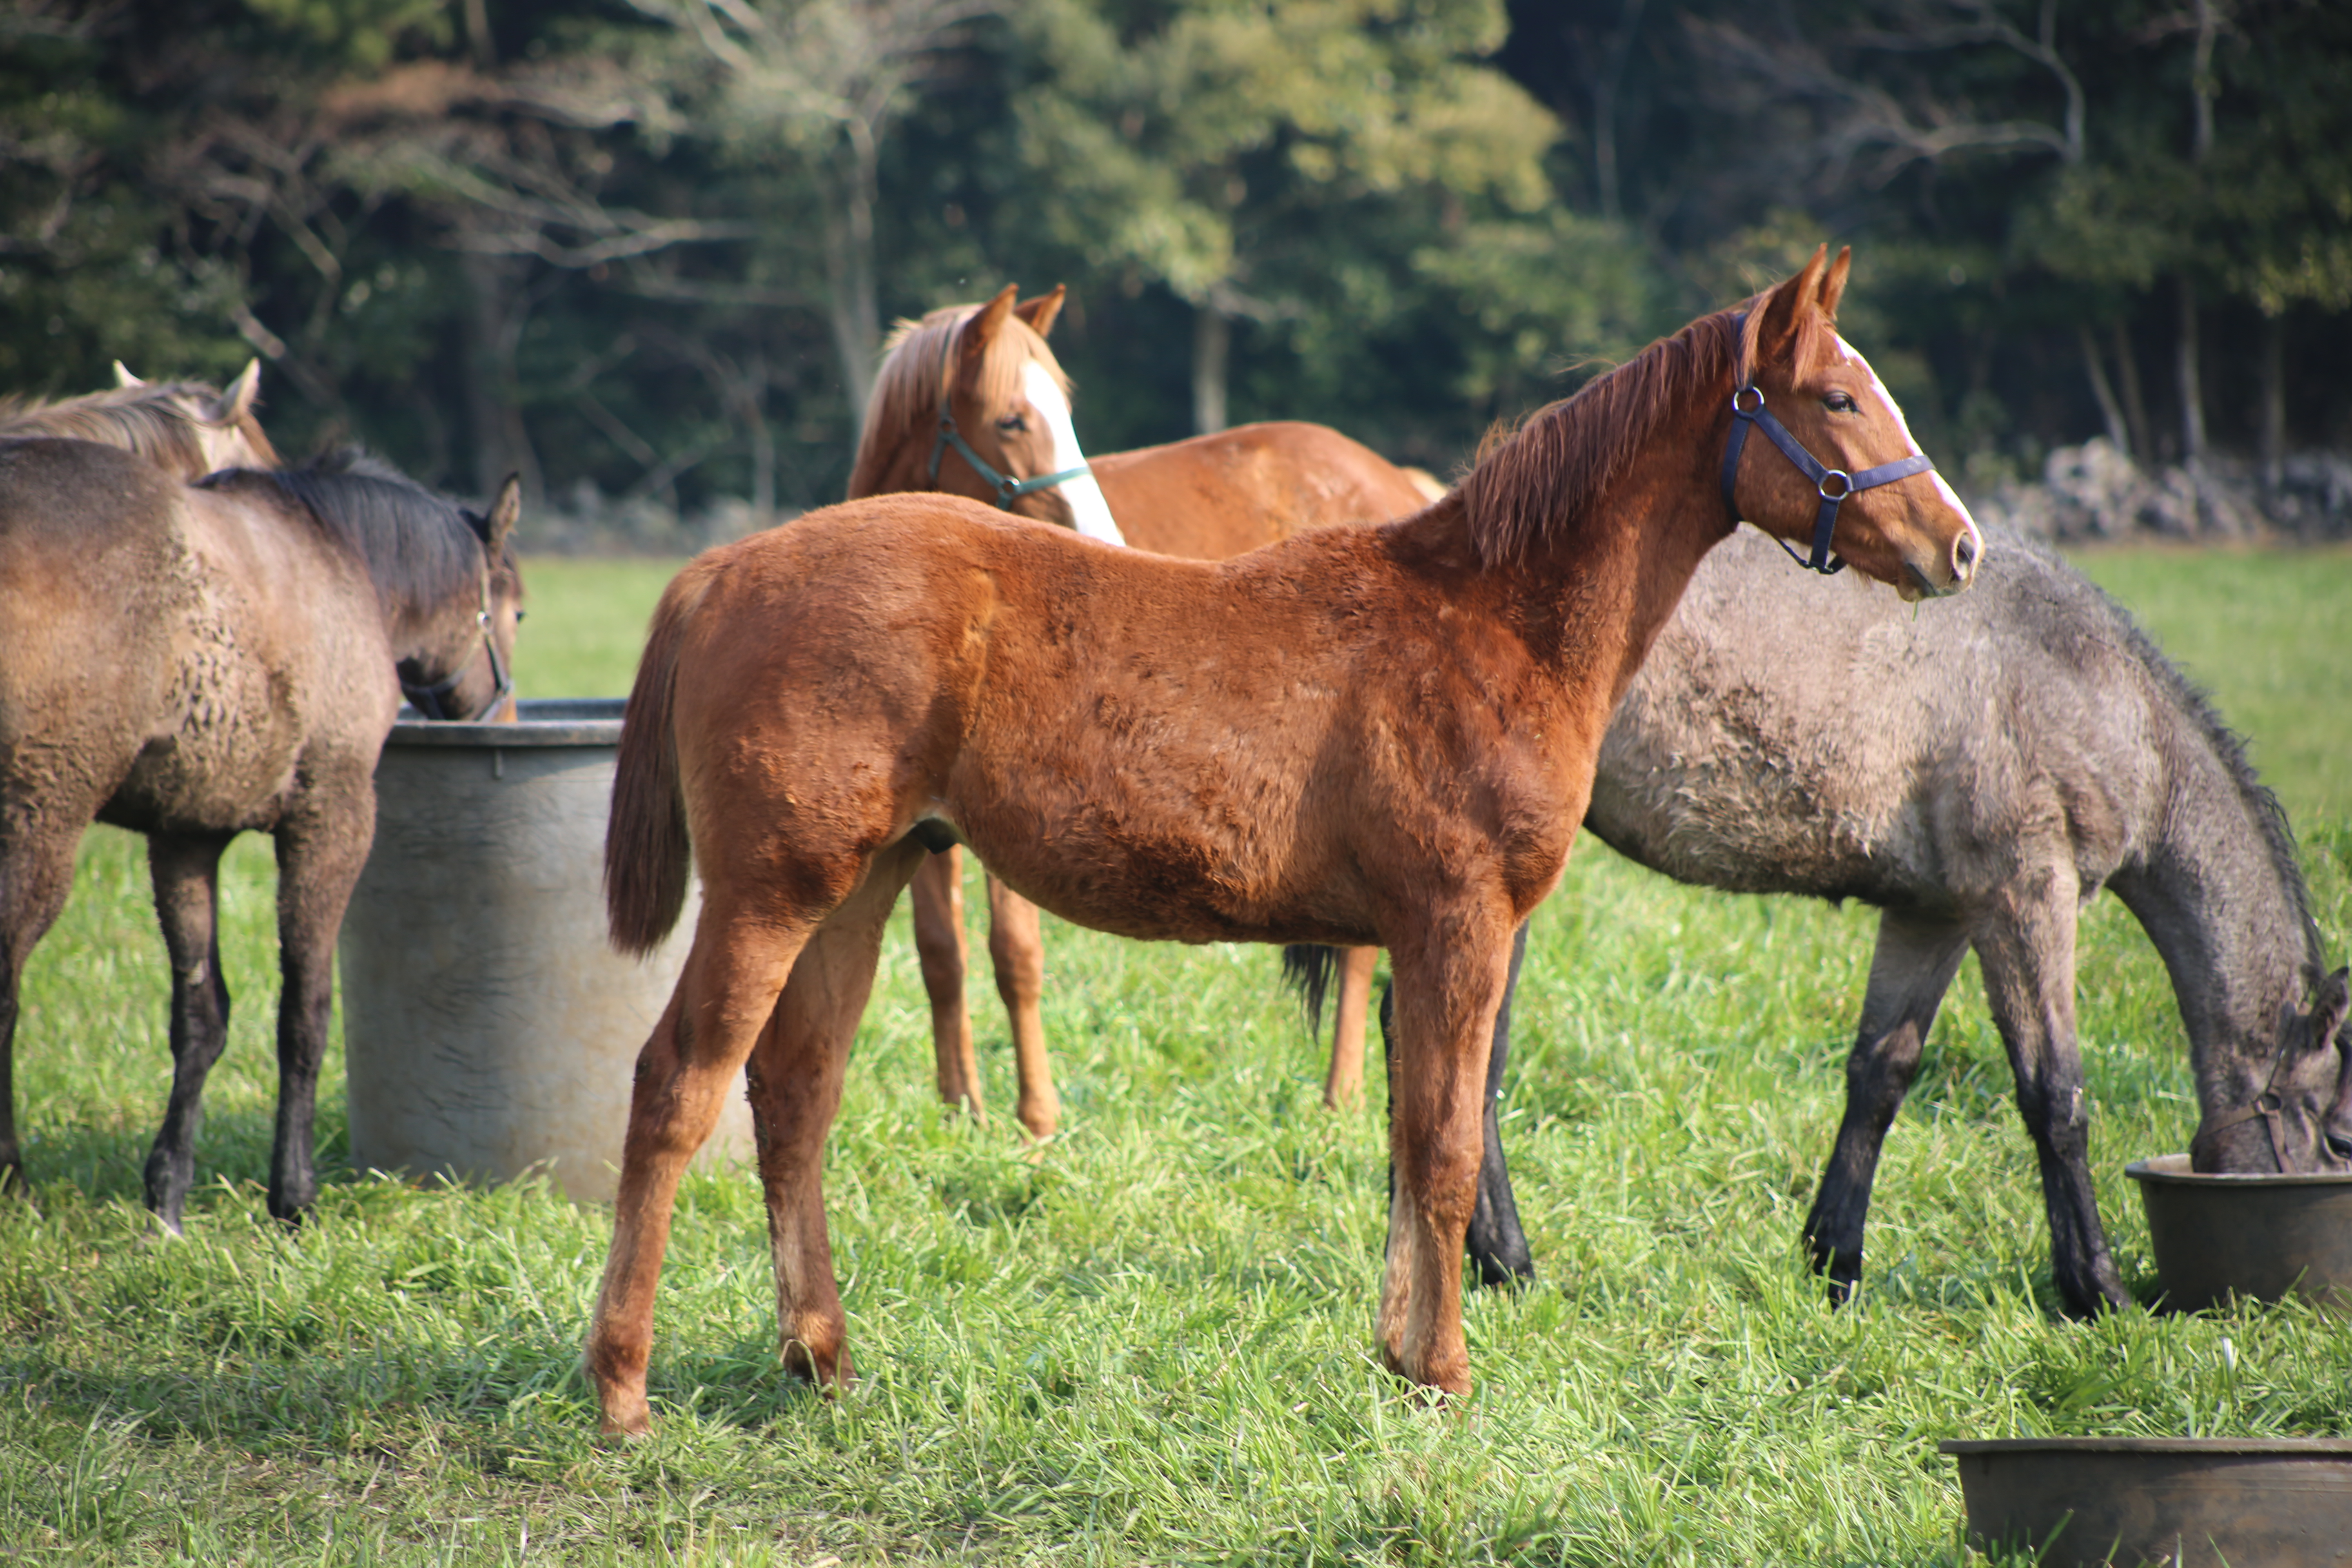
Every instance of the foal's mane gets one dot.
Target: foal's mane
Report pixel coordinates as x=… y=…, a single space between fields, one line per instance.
x=154 y=421
x=906 y=396
x=418 y=548
x=1563 y=456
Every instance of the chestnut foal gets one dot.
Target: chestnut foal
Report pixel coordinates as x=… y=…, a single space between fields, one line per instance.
x=970 y=401
x=1370 y=736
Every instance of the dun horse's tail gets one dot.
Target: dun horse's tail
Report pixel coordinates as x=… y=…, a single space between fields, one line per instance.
x=646 y=851
x=1308 y=968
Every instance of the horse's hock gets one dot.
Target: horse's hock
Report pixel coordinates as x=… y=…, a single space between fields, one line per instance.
x=489 y=1029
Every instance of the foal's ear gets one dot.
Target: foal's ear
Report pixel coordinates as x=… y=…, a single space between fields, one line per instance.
x=242 y=394
x=122 y=376
x=1834 y=285
x=979 y=332
x=1776 y=328
x=1042 y=311
x=504 y=512
x=2329 y=1009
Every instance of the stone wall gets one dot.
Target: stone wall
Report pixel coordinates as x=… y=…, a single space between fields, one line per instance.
x=2095 y=492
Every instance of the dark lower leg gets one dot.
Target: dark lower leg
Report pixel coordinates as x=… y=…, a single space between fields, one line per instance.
x=185 y=875
x=1498 y=1245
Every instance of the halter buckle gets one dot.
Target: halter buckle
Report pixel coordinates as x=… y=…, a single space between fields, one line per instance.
x=1844 y=485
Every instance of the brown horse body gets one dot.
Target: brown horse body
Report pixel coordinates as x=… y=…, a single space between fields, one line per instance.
x=1206 y=498
x=196 y=661
x=1370 y=736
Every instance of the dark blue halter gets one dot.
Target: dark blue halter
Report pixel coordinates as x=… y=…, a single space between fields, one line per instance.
x=1008 y=489
x=1834 y=484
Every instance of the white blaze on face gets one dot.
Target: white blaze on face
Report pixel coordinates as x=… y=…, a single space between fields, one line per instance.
x=1086 y=497
x=1878 y=388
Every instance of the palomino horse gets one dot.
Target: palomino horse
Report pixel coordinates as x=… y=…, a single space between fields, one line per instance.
x=196 y=661
x=184 y=427
x=1370 y=735
x=970 y=401
x=1978 y=774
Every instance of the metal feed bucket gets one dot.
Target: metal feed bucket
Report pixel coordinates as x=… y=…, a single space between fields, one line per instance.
x=2254 y=1235
x=489 y=1028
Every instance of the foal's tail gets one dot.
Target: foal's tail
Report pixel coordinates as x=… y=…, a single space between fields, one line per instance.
x=1309 y=969
x=646 y=852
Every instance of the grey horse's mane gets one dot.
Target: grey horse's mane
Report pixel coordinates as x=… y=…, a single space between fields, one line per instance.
x=153 y=421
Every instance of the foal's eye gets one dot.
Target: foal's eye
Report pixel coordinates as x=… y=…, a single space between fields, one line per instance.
x=1013 y=424
x=1841 y=402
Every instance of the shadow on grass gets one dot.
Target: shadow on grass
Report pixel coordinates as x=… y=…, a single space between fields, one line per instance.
x=103 y=1161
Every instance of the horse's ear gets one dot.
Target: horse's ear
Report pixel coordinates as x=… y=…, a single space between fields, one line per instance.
x=2329 y=1009
x=1784 y=306
x=1042 y=311
x=1834 y=285
x=504 y=512
x=979 y=331
x=122 y=376
x=242 y=393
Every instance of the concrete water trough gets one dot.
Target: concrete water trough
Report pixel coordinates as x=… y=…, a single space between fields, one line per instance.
x=2257 y=1236
x=489 y=1028
x=2163 y=1502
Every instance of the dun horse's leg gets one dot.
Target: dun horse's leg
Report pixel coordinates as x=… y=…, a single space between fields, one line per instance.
x=1909 y=973
x=740 y=959
x=187 y=874
x=1016 y=946
x=36 y=863
x=796 y=1073
x=1447 y=993
x=2027 y=952
x=937 y=898
x=1495 y=1241
x=321 y=853
x=1344 y=1084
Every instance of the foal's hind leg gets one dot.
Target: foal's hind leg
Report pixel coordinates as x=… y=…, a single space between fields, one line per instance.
x=1017 y=947
x=1909 y=973
x=1343 y=1085
x=795 y=1074
x=36 y=863
x=938 y=898
x=322 y=847
x=2025 y=945
x=185 y=869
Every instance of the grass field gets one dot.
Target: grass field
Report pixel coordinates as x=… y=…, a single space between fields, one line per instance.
x=1154 y=1343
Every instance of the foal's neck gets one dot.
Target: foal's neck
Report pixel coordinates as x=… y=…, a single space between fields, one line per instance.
x=2223 y=903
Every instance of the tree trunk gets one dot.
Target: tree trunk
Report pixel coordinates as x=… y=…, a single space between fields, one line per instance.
x=1604 y=111
x=2273 y=403
x=2193 y=399
x=501 y=440
x=857 y=318
x=2143 y=439
x=2109 y=410
x=1211 y=336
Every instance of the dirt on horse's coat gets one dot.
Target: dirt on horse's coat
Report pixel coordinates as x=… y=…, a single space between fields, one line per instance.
x=1363 y=735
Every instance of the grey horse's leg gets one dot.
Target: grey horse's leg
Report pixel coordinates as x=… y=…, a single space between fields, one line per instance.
x=1495 y=1243
x=1909 y=973
x=2027 y=949
x=36 y=863
x=187 y=874
x=320 y=853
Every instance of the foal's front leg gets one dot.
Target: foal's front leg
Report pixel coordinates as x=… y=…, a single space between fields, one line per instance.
x=322 y=847
x=1447 y=991
x=1016 y=947
x=185 y=871
x=938 y=897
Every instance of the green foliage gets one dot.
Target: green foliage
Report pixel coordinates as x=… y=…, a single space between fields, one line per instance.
x=1152 y=1341
x=362 y=35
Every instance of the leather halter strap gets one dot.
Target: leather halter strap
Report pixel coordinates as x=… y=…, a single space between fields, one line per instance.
x=427 y=700
x=1008 y=489
x=1834 y=485
x=2266 y=1105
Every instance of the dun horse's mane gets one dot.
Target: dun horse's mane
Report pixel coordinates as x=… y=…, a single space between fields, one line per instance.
x=1563 y=456
x=417 y=547
x=152 y=422
x=906 y=396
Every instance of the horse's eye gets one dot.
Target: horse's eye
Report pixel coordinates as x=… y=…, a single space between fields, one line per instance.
x=1840 y=402
x=1013 y=424
x=518 y=615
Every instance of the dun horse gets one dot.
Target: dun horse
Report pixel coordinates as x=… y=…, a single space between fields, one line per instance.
x=184 y=427
x=197 y=661
x=970 y=401
x=1979 y=774
x=1372 y=736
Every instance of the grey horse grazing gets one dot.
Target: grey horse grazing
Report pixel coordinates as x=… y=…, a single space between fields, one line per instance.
x=1977 y=771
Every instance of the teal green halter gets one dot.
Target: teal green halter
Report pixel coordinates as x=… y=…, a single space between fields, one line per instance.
x=1008 y=489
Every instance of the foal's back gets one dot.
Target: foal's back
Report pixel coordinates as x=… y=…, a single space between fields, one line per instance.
x=1791 y=735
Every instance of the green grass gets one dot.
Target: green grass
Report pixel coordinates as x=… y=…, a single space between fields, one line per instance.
x=1154 y=1343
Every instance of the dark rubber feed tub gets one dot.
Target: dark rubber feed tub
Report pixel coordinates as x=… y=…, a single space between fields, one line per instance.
x=2181 y=1502
x=489 y=1028
x=2253 y=1236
